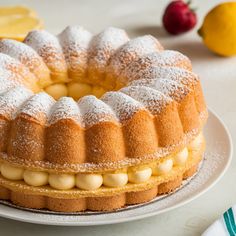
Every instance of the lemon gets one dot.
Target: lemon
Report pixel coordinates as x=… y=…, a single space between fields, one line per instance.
x=17 y=21
x=218 y=30
x=16 y=10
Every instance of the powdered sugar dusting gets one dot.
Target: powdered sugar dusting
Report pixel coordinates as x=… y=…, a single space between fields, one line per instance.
x=6 y=60
x=75 y=37
x=38 y=106
x=170 y=88
x=41 y=38
x=19 y=73
x=7 y=80
x=132 y=51
x=13 y=66
x=162 y=58
x=47 y=46
x=11 y=100
x=22 y=52
x=152 y=99
x=172 y=73
x=123 y=105
x=168 y=57
x=75 y=42
x=104 y=45
x=65 y=108
x=94 y=111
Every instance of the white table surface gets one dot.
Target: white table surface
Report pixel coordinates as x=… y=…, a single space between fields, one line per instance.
x=219 y=83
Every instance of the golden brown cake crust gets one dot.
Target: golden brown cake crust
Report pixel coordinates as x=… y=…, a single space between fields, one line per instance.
x=158 y=110
x=68 y=150
x=141 y=196
x=59 y=164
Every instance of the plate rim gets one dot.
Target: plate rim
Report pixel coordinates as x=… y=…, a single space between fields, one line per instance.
x=140 y=216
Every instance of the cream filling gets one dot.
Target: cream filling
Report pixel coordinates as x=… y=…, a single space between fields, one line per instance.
x=115 y=180
x=35 y=178
x=62 y=181
x=140 y=176
x=75 y=90
x=163 y=168
x=181 y=157
x=88 y=181
x=10 y=172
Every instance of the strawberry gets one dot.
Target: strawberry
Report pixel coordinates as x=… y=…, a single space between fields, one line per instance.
x=179 y=17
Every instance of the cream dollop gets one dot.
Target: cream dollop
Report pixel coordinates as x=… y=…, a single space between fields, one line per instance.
x=181 y=157
x=163 y=167
x=57 y=90
x=78 y=90
x=11 y=172
x=88 y=181
x=140 y=176
x=115 y=180
x=196 y=144
x=35 y=178
x=61 y=181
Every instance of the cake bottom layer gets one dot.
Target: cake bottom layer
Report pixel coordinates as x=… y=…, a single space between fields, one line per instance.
x=105 y=203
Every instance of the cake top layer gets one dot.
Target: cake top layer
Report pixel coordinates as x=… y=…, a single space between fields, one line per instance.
x=152 y=99
x=48 y=47
x=94 y=111
x=65 y=108
x=38 y=107
x=131 y=51
x=123 y=105
x=156 y=76
x=12 y=99
x=74 y=37
x=104 y=44
x=139 y=116
x=17 y=49
x=170 y=88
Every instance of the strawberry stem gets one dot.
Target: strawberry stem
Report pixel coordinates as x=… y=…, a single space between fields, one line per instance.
x=189 y=2
x=194 y=9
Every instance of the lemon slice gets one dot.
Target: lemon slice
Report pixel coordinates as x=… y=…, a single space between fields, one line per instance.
x=17 y=10
x=16 y=22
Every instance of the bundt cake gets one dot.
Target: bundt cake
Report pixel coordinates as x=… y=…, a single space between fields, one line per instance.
x=96 y=122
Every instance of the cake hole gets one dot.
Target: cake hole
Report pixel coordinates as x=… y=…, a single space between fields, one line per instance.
x=76 y=90
x=57 y=90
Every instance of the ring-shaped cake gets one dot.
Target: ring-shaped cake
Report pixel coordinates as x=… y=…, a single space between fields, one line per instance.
x=96 y=122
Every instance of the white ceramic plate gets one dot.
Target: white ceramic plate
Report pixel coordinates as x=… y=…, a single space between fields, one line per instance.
x=217 y=159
